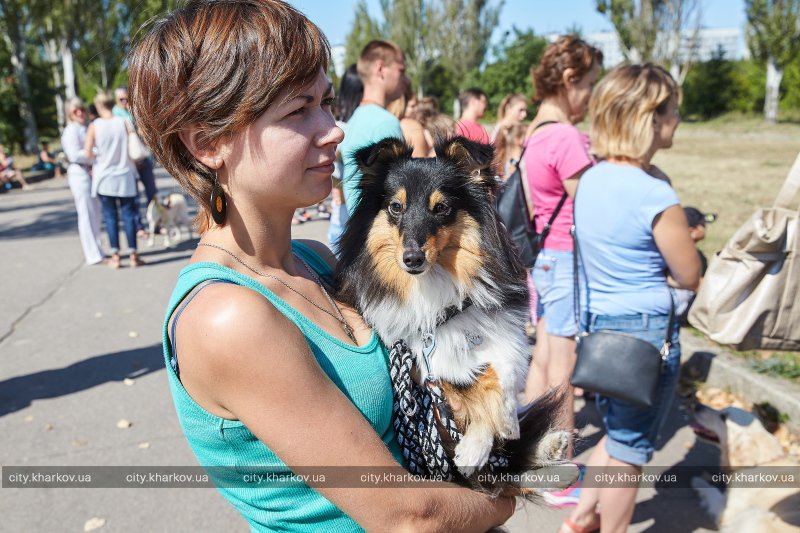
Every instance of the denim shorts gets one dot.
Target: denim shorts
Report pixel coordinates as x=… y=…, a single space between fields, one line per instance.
x=555 y=289
x=633 y=431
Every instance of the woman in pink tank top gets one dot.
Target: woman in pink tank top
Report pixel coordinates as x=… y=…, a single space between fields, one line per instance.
x=556 y=155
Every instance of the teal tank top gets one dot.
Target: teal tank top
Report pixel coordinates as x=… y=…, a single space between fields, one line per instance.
x=361 y=373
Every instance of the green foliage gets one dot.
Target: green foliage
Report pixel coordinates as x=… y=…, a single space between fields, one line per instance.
x=774 y=29
x=785 y=365
x=720 y=86
x=709 y=87
x=365 y=29
x=510 y=71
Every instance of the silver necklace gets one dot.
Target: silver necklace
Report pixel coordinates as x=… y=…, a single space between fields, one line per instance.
x=347 y=329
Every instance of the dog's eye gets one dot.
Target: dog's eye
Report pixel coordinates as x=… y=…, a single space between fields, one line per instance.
x=441 y=209
x=395 y=208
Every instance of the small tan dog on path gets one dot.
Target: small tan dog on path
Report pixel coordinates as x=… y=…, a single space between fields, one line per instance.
x=170 y=212
x=751 y=502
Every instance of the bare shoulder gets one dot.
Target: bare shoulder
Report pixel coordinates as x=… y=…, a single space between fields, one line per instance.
x=321 y=249
x=225 y=326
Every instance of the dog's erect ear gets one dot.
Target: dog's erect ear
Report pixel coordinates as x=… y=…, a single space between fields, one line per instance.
x=475 y=159
x=374 y=159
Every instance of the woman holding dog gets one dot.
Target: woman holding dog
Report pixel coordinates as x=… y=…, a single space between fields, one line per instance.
x=265 y=368
x=556 y=155
x=634 y=243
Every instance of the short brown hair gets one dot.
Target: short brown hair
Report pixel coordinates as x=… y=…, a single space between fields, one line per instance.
x=217 y=65
x=622 y=108
x=568 y=51
x=385 y=51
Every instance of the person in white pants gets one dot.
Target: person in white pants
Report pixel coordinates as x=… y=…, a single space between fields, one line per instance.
x=80 y=181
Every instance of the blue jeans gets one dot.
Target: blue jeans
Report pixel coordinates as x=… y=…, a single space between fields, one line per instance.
x=555 y=290
x=111 y=219
x=633 y=431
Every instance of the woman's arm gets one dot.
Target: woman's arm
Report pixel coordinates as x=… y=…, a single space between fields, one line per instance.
x=88 y=147
x=671 y=233
x=239 y=355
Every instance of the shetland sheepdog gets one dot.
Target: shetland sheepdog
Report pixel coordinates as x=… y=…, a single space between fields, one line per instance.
x=425 y=253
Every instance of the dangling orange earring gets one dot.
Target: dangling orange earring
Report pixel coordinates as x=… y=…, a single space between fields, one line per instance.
x=218 y=203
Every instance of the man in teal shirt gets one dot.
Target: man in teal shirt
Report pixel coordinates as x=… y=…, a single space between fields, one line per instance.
x=381 y=68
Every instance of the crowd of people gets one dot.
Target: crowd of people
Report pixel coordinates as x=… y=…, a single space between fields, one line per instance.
x=265 y=374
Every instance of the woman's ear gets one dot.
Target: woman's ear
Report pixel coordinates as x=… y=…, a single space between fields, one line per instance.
x=212 y=155
x=569 y=78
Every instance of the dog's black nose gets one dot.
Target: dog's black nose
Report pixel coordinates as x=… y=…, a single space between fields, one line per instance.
x=413 y=258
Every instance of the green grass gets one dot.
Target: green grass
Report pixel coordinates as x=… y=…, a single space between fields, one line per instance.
x=729 y=167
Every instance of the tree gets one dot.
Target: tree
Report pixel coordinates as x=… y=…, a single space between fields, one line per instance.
x=661 y=31
x=365 y=29
x=463 y=29
x=773 y=34
x=16 y=17
x=636 y=26
x=509 y=72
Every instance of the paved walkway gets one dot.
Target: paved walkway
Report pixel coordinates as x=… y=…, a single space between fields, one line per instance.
x=80 y=350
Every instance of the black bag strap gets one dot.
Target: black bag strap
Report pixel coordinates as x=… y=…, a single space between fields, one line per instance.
x=576 y=295
x=523 y=196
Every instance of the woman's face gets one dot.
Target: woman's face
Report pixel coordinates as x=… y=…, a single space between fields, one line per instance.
x=579 y=92
x=284 y=159
x=516 y=112
x=665 y=125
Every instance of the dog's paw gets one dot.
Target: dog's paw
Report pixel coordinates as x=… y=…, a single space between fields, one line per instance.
x=472 y=453
x=552 y=448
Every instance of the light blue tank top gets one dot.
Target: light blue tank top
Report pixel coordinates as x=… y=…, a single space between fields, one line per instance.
x=361 y=373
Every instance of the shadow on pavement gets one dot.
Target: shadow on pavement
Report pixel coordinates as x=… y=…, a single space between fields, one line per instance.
x=46 y=225
x=19 y=392
x=157 y=256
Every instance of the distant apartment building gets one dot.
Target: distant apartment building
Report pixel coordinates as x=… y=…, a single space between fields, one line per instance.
x=708 y=41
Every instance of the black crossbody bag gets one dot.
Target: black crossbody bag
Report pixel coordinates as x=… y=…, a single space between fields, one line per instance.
x=618 y=364
x=512 y=206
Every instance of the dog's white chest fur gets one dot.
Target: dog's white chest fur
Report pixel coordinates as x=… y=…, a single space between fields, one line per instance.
x=465 y=343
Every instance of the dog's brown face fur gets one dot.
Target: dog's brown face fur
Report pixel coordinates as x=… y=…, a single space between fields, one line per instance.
x=420 y=213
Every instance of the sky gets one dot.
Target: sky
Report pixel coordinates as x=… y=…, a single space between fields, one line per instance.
x=335 y=17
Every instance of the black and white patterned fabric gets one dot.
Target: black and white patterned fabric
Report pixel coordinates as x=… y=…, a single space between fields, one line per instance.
x=415 y=422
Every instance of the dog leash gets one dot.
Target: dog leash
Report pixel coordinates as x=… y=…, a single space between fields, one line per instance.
x=415 y=407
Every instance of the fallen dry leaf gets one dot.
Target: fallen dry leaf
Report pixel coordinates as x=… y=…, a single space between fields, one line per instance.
x=29 y=418
x=144 y=445
x=132 y=334
x=78 y=443
x=48 y=427
x=128 y=381
x=124 y=424
x=94 y=523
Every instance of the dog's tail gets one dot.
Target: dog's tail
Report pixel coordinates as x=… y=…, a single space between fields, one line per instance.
x=536 y=459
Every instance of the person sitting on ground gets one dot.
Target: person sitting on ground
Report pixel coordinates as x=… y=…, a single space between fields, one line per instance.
x=413 y=132
x=473 y=102
x=513 y=110
x=8 y=172
x=266 y=369
x=47 y=161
